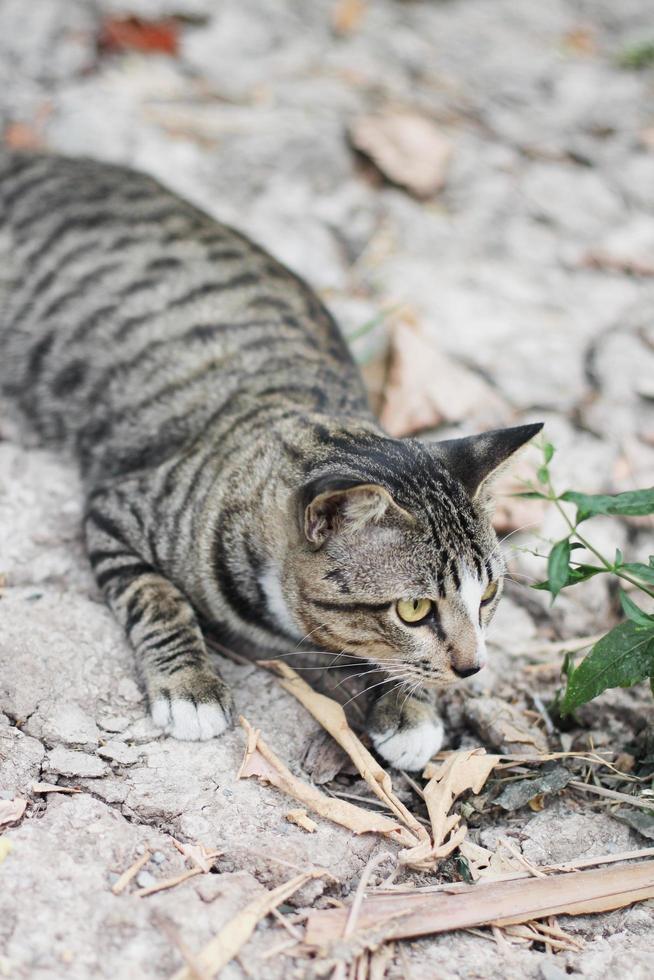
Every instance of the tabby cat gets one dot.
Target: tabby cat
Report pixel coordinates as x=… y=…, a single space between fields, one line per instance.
x=234 y=474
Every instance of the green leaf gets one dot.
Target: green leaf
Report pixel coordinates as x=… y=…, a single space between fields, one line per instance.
x=558 y=566
x=639 y=570
x=548 y=452
x=543 y=474
x=632 y=503
x=619 y=558
x=575 y=575
x=634 y=612
x=637 y=56
x=583 y=572
x=623 y=657
x=530 y=495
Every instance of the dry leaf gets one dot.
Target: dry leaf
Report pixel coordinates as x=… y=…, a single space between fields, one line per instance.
x=628 y=265
x=459 y=772
x=22 y=136
x=407 y=148
x=426 y=388
x=53 y=788
x=226 y=944
x=330 y=715
x=5 y=848
x=302 y=819
x=347 y=15
x=136 y=34
x=261 y=761
x=421 y=912
x=11 y=810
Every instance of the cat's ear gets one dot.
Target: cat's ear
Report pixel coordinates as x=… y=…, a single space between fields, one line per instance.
x=476 y=460
x=343 y=505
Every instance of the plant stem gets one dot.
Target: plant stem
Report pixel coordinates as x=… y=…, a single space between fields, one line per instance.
x=608 y=566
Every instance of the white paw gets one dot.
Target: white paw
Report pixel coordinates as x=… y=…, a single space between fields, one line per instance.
x=412 y=747
x=188 y=721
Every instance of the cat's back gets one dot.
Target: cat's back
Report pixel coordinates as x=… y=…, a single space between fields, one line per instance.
x=125 y=312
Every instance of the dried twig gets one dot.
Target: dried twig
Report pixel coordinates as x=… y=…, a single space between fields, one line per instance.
x=131 y=872
x=613 y=794
x=54 y=788
x=167 y=883
x=226 y=944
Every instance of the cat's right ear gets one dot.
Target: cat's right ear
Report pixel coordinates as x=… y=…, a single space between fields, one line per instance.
x=344 y=505
x=477 y=460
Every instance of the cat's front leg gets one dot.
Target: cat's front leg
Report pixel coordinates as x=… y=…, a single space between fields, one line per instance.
x=405 y=731
x=187 y=698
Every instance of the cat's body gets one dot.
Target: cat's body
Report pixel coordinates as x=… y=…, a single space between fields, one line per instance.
x=233 y=471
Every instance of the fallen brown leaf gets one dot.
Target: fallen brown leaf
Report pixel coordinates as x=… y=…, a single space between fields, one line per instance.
x=346 y=16
x=407 y=148
x=226 y=944
x=426 y=388
x=459 y=772
x=22 y=136
x=331 y=716
x=421 y=913
x=137 y=34
x=630 y=266
x=12 y=810
x=260 y=761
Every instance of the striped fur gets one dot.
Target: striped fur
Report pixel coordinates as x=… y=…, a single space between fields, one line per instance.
x=234 y=474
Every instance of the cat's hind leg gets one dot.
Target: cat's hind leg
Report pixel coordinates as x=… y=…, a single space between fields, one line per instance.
x=405 y=731
x=187 y=698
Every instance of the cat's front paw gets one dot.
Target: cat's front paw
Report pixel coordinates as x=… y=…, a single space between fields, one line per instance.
x=195 y=707
x=405 y=735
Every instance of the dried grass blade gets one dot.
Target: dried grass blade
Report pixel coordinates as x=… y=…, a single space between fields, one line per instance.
x=494 y=903
x=131 y=872
x=226 y=944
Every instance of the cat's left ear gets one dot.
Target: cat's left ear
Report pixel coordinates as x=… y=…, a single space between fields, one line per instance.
x=337 y=505
x=476 y=460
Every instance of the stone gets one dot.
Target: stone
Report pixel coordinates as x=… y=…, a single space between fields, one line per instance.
x=66 y=724
x=66 y=762
x=125 y=755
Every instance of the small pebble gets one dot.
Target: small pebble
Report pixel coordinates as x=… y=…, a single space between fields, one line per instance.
x=145 y=879
x=158 y=857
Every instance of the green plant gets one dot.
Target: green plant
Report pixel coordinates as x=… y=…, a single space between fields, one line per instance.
x=625 y=655
x=637 y=56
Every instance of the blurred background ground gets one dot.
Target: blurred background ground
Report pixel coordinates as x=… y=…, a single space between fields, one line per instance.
x=527 y=267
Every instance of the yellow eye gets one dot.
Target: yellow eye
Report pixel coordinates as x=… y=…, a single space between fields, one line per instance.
x=413 y=610
x=489 y=593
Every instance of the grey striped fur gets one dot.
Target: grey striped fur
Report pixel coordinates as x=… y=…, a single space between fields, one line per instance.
x=234 y=474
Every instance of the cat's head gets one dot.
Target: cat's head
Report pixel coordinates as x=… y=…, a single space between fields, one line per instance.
x=397 y=561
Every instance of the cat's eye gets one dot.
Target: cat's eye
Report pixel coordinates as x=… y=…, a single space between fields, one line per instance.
x=413 y=610
x=489 y=593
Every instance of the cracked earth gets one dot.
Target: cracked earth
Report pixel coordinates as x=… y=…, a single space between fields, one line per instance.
x=552 y=165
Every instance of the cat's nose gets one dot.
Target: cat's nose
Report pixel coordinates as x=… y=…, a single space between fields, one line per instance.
x=468 y=672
